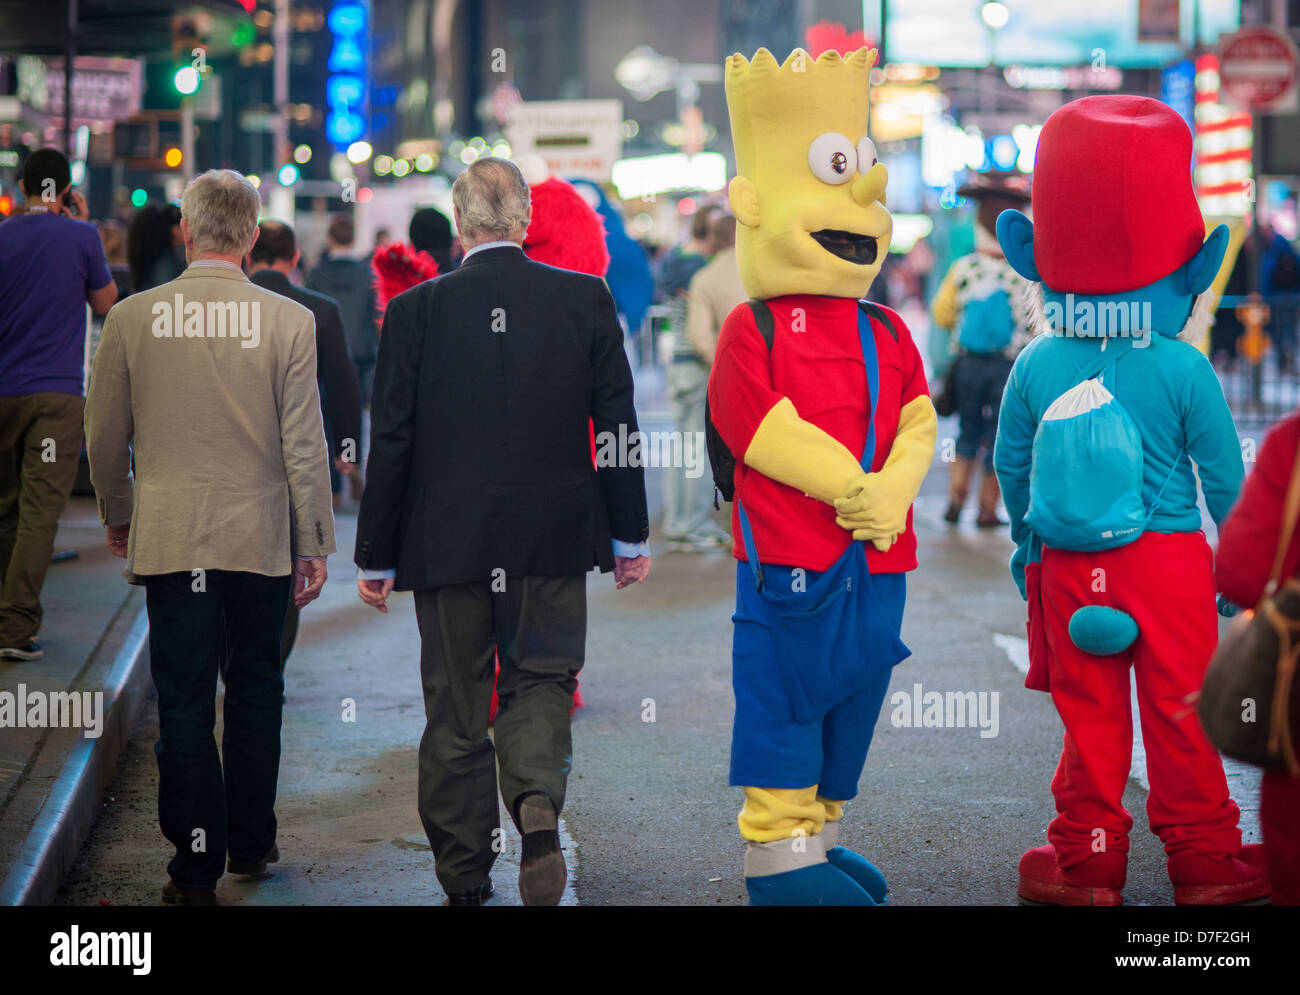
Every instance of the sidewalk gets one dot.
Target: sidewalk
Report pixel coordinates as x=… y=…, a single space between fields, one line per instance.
x=52 y=779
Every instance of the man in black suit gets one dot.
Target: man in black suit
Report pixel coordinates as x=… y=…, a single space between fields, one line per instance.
x=483 y=499
x=272 y=258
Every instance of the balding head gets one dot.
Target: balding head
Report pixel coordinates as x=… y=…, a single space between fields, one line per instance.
x=492 y=202
x=219 y=210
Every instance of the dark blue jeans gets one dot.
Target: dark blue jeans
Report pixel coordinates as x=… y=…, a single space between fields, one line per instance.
x=203 y=813
x=980 y=381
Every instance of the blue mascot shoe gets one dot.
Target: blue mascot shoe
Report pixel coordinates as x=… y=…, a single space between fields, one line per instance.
x=816 y=884
x=861 y=870
x=1102 y=631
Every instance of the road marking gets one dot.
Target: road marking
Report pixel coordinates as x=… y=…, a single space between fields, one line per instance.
x=1243 y=779
x=1016 y=649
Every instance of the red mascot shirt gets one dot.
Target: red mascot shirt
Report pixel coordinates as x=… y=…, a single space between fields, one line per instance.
x=816 y=361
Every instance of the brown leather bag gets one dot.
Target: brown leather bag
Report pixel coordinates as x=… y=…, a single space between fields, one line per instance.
x=1250 y=698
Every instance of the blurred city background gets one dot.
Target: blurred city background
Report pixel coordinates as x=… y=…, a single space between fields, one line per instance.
x=371 y=107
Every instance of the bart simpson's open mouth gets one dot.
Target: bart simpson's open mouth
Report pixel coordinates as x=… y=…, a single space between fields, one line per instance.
x=857 y=249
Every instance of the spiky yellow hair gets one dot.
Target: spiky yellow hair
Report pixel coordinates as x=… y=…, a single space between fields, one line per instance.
x=765 y=100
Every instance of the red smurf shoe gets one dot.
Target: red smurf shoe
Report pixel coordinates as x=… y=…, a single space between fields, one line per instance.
x=1200 y=879
x=1098 y=881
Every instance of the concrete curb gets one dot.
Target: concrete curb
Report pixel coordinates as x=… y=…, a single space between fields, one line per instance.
x=66 y=817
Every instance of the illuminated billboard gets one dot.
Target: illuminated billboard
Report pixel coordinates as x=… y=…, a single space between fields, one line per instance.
x=1037 y=32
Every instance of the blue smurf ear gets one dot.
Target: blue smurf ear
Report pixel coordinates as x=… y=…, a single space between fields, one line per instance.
x=1016 y=236
x=1203 y=267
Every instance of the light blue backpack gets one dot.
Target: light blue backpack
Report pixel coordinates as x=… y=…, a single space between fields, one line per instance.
x=1085 y=481
x=987 y=323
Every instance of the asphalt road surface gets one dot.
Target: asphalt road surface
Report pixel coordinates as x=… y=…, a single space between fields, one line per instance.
x=946 y=812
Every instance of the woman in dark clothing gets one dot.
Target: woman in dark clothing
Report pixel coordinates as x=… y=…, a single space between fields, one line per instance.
x=1247 y=544
x=430 y=232
x=152 y=246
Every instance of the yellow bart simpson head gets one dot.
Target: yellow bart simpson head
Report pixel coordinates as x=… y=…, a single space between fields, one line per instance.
x=809 y=193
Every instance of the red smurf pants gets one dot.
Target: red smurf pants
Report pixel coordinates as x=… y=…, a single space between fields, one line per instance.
x=1165 y=581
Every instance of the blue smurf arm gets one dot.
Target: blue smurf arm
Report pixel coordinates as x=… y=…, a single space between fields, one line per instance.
x=1013 y=455
x=1212 y=439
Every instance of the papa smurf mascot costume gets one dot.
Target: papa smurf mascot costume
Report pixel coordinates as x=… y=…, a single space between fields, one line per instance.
x=832 y=431
x=1101 y=421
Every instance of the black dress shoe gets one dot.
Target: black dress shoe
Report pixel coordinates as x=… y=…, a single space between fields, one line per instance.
x=234 y=866
x=478 y=897
x=542 y=872
x=175 y=896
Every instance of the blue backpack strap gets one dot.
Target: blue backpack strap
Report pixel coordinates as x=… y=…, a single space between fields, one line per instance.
x=1105 y=358
x=755 y=567
x=1161 y=493
x=867 y=335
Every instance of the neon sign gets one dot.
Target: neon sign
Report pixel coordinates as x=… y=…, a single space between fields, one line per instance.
x=345 y=92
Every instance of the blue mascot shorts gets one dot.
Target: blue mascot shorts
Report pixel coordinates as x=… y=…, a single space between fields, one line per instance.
x=775 y=742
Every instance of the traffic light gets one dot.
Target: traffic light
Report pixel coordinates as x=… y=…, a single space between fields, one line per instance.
x=187 y=80
x=172 y=157
x=188 y=53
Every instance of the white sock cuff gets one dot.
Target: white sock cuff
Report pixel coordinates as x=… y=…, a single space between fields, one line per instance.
x=831 y=833
x=779 y=856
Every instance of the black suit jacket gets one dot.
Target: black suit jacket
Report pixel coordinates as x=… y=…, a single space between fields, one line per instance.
x=480 y=457
x=336 y=374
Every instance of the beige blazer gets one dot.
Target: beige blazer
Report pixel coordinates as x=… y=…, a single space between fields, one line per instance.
x=211 y=381
x=714 y=292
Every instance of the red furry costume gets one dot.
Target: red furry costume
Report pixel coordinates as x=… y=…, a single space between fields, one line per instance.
x=566 y=232
x=398 y=267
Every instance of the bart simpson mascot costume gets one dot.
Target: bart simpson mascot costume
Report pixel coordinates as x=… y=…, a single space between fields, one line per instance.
x=1119 y=247
x=832 y=431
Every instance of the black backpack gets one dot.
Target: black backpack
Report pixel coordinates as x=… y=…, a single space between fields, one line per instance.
x=721 y=459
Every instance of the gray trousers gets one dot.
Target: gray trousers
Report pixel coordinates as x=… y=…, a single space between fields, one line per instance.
x=538 y=628
x=688 y=500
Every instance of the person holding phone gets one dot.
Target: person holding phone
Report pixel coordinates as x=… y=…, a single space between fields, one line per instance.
x=51 y=266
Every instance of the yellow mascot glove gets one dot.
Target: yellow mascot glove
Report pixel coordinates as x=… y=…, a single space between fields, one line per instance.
x=799 y=454
x=874 y=506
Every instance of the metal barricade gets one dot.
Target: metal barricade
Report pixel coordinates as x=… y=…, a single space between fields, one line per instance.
x=1253 y=348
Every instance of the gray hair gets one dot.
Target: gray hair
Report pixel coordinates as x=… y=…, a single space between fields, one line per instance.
x=222 y=208
x=491 y=198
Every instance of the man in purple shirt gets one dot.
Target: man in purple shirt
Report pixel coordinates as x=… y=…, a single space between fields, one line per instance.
x=51 y=266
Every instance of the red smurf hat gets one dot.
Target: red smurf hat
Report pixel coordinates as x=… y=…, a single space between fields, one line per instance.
x=1114 y=208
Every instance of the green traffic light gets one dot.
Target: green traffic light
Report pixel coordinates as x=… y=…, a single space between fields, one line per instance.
x=187 y=80
x=139 y=197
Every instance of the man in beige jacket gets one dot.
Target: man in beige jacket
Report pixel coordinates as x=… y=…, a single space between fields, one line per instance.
x=210 y=382
x=715 y=291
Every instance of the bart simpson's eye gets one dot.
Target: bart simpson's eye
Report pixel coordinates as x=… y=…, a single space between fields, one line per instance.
x=832 y=158
x=866 y=154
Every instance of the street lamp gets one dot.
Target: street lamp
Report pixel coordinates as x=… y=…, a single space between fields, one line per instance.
x=645 y=73
x=995 y=15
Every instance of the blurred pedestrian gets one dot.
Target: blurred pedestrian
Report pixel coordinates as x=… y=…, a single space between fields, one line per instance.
x=981 y=301
x=493 y=514
x=1279 y=282
x=209 y=382
x=112 y=233
x=347 y=279
x=270 y=262
x=51 y=266
x=1248 y=543
x=154 y=246
x=687 y=500
x=430 y=231
x=715 y=290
